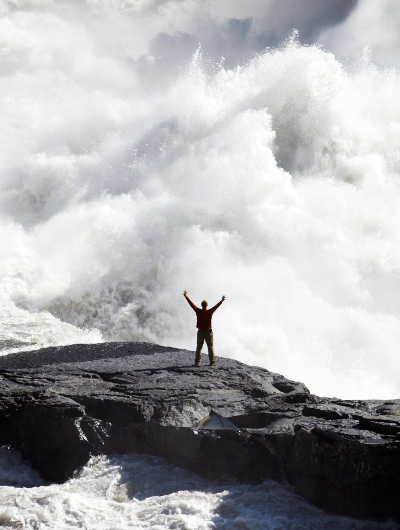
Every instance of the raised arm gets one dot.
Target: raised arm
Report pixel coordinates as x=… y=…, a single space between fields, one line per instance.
x=217 y=305
x=189 y=301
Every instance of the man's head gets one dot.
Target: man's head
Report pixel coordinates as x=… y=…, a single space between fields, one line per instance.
x=204 y=304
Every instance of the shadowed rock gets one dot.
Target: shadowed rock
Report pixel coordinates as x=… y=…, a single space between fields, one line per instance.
x=59 y=406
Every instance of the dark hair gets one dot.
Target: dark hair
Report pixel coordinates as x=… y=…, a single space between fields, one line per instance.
x=204 y=304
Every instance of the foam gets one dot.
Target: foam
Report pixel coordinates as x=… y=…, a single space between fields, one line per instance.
x=144 y=492
x=274 y=183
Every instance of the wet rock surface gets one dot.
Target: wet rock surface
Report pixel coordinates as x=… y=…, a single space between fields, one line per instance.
x=59 y=406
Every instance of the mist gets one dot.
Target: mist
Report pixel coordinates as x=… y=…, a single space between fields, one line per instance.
x=151 y=147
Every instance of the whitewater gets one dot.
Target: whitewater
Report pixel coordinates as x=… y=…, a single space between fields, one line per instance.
x=136 y=164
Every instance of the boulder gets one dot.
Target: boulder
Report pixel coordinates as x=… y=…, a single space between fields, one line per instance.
x=59 y=406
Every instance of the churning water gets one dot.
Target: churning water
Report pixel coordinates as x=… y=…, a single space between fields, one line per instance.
x=146 y=493
x=134 y=165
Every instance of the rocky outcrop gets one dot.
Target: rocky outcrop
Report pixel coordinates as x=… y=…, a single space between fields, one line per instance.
x=59 y=406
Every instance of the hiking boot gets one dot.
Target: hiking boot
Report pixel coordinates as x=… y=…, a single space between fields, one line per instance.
x=197 y=364
x=212 y=364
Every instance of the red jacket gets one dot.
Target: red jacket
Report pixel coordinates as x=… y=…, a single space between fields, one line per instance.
x=204 y=316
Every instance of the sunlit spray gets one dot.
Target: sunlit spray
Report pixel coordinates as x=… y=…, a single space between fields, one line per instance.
x=274 y=182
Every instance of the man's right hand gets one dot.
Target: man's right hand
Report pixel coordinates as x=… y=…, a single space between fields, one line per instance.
x=223 y=298
x=185 y=294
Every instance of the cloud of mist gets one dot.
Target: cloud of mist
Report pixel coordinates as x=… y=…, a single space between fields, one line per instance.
x=159 y=37
x=237 y=30
x=372 y=24
x=136 y=164
x=273 y=20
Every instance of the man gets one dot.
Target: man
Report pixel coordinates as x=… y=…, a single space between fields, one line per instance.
x=204 y=332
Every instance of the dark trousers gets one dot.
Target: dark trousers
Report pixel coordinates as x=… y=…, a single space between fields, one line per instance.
x=209 y=338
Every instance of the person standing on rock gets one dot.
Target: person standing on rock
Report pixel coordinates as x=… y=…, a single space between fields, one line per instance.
x=204 y=332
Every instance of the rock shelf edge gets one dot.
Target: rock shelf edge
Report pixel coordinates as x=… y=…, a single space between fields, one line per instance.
x=59 y=406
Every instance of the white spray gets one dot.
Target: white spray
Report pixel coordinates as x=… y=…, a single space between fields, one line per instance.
x=126 y=179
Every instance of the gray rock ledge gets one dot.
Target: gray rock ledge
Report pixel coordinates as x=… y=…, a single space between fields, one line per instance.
x=59 y=406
